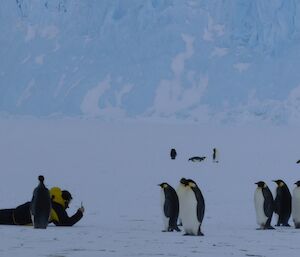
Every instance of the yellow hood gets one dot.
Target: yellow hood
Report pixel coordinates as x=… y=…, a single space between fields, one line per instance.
x=55 y=194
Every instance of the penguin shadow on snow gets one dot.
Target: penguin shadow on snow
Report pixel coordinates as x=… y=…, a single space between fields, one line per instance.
x=186 y=204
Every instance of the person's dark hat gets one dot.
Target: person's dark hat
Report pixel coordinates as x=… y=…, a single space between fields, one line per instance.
x=66 y=195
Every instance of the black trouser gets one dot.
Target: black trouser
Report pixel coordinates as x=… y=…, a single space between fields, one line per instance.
x=16 y=216
x=6 y=217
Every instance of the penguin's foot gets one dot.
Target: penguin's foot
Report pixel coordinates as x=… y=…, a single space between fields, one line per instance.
x=170 y=230
x=187 y=234
x=269 y=227
x=199 y=232
x=297 y=226
x=286 y=225
x=177 y=229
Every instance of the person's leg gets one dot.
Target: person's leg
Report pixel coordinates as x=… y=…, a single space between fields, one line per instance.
x=6 y=217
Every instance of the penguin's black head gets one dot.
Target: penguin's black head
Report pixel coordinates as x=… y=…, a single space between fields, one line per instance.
x=279 y=182
x=184 y=181
x=261 y=184
x=191 y=183
x=41 y=178
x=297 y=183
x=164 y=185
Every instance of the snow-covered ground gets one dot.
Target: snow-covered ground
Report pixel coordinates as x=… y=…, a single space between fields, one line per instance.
x=114 y=169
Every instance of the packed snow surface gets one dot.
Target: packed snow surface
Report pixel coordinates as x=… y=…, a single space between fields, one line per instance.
x=114 y=169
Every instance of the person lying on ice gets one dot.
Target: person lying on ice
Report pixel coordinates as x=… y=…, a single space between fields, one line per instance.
x=60 y=200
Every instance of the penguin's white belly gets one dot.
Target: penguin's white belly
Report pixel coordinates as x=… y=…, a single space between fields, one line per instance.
x=296 y=205
x=188 y=212
x=165 y=219
x=259 y=200
x=179 y=192
x=217 y=157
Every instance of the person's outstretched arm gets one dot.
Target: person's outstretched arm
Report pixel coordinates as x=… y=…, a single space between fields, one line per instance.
x=62 y=217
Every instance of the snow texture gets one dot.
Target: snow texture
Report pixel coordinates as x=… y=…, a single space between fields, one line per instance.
x=114 y=169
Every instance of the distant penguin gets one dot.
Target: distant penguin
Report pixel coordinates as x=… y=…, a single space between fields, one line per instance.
x=215 y=156
x=40 y=205
x=192 y=207
x=298 y=161
x=173 y=154
x=282 y=203
x=197 y=159
x=296 y=205
x=170 y=207
x=264 y=205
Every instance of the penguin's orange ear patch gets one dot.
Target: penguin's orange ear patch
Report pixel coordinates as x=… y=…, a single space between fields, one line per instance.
x=191 y=184
x=165 y=185
x=281 y=184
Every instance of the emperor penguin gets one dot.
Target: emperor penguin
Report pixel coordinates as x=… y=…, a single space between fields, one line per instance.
x=197 y=158
x=264 y=205
x=173 y=154
x=40 y=205
x=192 y=207
x=215 y=155
x=296 y=205
x=170 y=207
x=283 y=203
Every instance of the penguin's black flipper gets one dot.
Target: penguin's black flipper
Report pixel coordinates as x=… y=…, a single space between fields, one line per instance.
x=277 y=202
x=167 y=207
x=269 y=202
x=200 y=205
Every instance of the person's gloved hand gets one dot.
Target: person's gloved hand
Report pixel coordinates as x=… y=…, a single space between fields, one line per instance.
x=81 y=209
